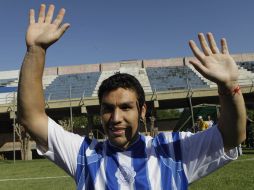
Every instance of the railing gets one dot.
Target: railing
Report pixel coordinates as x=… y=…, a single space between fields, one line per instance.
x=9 y=98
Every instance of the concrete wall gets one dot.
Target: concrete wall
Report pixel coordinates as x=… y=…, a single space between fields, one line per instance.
x=110 y=66
x=163 y=62
x=85 y=68
x=78 y=69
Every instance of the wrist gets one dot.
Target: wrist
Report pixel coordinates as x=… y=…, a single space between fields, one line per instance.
x=229 y=89
x=36 y=49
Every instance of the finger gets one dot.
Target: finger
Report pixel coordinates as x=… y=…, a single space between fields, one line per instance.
x=224 y=46
x=212 y=43
x=62 y=30
x=204 y=45
x=199 y=67
x=50 y=14
x=41 y=18
x=31 y=16
x=59 y=17
x=197 y=53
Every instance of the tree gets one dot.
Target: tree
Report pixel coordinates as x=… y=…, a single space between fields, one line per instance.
x=168 y=114
x=24 y=139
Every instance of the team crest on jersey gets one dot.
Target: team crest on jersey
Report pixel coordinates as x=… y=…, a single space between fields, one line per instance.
x=125 y=175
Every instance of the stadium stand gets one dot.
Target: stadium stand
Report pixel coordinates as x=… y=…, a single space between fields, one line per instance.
x=48 y=79
x=155 y=78
x=8 y=82
x=173 y=78
x=246 y=77
x=249 y=65
x=209 y=83
x=7 y=94
x=79 y=85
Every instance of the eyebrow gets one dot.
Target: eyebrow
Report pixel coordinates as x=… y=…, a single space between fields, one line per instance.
x=123 y=103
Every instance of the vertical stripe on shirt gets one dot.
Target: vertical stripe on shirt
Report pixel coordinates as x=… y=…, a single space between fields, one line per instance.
x=163 y=153
x=139 y=162
x=153 y=166
x=181 y=180
x=101 y=174
x=94 y=157
x=177 y=146
x=111 y=168
x=165 y=144
x=81 y=174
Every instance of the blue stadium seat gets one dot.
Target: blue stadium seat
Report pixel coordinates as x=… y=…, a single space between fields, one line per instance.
x=249 y=65
x=81 y=85
x=173 y=78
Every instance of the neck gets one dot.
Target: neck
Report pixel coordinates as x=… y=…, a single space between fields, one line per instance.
x=125 y=147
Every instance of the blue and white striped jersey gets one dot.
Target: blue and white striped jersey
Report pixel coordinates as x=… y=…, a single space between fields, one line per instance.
x=168 y=161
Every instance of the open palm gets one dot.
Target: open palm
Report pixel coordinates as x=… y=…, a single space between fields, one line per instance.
x=216 y=66
x=45 y=32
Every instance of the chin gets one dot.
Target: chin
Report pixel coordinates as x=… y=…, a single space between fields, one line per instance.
x=118 y=142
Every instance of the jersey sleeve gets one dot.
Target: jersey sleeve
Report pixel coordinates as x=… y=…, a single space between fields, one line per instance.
x=203 y=152
x=63 y=147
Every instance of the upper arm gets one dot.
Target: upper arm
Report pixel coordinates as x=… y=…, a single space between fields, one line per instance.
x=37 y=127
x=63 y=147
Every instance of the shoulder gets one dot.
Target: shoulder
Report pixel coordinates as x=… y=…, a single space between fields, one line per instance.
x=168 y=137
x=92 y=144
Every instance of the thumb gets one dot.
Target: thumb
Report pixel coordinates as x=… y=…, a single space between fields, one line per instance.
x=62 y=30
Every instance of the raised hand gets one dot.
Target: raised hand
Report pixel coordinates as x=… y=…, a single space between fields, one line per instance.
x=44 y=32
x=215 y=65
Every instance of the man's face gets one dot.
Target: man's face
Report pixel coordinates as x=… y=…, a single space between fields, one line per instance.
x=120 y=116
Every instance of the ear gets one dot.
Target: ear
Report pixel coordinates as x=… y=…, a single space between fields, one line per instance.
x=143 y=111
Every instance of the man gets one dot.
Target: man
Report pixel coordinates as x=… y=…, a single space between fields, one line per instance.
x=128 y=160
x=209 y=121
x=202 y=125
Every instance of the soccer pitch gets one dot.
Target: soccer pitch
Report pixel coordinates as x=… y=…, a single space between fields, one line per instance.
x=33 y=175
x=236 y=175
x=42 y=174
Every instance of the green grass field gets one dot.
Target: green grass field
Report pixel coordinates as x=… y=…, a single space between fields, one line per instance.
x=237 y=175
x=42 y=174
x=31 y=175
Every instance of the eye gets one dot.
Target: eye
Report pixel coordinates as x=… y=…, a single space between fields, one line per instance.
x=126 y=107
x=107 y=109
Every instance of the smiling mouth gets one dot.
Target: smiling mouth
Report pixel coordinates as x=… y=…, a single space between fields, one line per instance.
x=117 y=131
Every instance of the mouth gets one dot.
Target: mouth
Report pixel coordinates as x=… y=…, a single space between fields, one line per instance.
x=117 y=131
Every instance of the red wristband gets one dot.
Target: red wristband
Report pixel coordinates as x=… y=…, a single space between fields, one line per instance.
x=235 y=90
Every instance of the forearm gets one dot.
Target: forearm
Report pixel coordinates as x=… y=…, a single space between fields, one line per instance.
x=31 y=105
x=232 y=121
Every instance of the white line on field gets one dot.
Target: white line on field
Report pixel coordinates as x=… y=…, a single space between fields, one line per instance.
x=32 y=178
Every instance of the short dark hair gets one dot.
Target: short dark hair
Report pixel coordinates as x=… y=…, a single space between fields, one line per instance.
x=122 y=80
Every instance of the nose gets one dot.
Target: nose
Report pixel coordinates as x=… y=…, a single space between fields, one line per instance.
x=116 y=116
